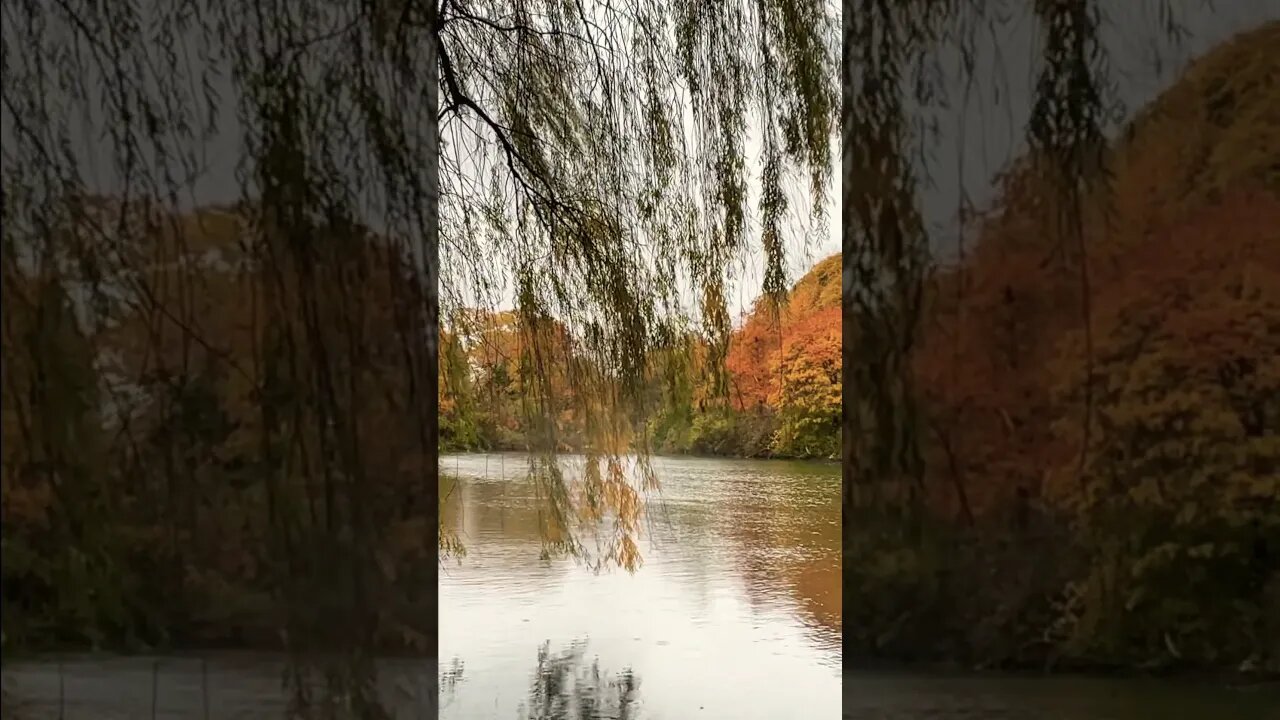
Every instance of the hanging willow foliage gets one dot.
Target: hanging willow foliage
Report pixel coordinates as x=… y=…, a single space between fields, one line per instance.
x=588 y=159
x=593 y=159
x=890 y=77
x=609 y=173
x=885 y=247
x=1066 y=131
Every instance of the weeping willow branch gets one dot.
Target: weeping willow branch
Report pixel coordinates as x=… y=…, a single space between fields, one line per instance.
x=885 y=246
x=888 y=92
x=1066 y=127
x=597 y=155
x=586 y=162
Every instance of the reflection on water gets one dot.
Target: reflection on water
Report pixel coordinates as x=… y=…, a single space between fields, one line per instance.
x=564 y=688
x=739 y=592
x=558 y=685
x=225 y=686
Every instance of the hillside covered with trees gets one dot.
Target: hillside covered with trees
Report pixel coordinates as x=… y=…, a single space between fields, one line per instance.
x=777 y=394
x=1100 y=409
x=158 y=429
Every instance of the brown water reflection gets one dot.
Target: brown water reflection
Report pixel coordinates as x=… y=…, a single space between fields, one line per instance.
x=565 y=684
x=740 y=589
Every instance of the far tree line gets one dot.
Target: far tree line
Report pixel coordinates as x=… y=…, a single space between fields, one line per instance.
x=778 y=394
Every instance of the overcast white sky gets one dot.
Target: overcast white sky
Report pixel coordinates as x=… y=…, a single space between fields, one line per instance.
x=976 y=136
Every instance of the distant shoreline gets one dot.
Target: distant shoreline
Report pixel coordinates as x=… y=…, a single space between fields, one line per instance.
x=700 y=456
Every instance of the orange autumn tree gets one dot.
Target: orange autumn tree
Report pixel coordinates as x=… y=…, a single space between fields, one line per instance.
x=754 y=350
x=1116 y=379
x=1186 y=461
x=995 y=323
x=806 y=366
x=989 y=328
x=785 y=362
x=751 y=360
x=807 y=396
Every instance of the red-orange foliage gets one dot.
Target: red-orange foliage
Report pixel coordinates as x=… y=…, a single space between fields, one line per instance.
x=1187 y=353
x=809 y=365
x=998 y=350
x=808 y=321
x=1175 y=264
x=752 y=358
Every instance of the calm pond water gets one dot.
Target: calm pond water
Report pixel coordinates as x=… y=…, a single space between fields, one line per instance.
x=735 y=615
